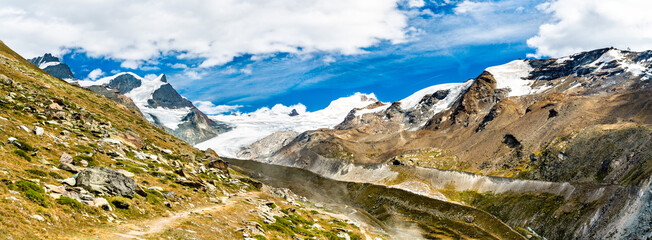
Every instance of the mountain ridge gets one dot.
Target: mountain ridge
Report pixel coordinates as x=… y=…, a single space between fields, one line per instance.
x=183 y=119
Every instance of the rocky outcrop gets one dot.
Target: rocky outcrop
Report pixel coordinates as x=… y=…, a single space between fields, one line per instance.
x=116 y=96
x=267 y=146
x=104 y=181
x=53 y=66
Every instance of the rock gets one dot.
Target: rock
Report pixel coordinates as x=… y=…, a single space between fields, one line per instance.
x=55 y=106
x=254 y=183
x=126 y=173
x=11 y=140
x=188 y=183
x=140 y=191
x=121 y=204
x=102 y=203
x=469 y=219
x=167 y=204
x=104 y=181
x=39 y=131
x=214 y=200
x=84 y=163
x=25 y=128
x=38 y=217
x=133 y=139
x=69 y=181
x=155 y=188
x=55 y=189
x=12 y=198
x=70 y=168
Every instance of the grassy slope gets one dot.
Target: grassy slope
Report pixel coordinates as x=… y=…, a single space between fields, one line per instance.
x=25 y=93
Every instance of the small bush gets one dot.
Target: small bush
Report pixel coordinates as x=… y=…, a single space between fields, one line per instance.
x=77 y=160
x=260 y=237
x=55 y=175
x=23 y=186
x=37 y=172
x=36 y=197
x=120 y=202
x=23 y=154
x=70 y=202
x=22 y=145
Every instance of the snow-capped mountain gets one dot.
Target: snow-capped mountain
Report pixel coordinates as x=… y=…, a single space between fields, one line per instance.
x=409 y=113
x=161 y=104
x=251 y=127
x=53 y=66
x=154 y=99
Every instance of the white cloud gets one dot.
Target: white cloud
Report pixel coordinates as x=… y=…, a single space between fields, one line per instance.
x=580 y=25
x=416 y=3
x=150 y=76
x=131 y=64
x=212 y=109
x=95 y=74
x=179 y=66
x=217 y=30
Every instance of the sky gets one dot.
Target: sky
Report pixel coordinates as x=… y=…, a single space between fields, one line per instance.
x=241 y=55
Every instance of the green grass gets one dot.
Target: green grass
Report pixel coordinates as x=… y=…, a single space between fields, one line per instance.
x=23 y=154
x=72 y=203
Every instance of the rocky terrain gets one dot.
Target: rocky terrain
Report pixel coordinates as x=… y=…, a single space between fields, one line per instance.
x=155 y=99
x=561 y=146
x=75 y=165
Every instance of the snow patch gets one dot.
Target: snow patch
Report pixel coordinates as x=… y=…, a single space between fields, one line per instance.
x=611 y=55
x=170 y=118
x=251 y=127
x=48 y=64
x=513 y=76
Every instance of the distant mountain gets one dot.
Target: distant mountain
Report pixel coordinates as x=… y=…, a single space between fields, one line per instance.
x=161 y=104
x=576 y=129
x=53 y=66
x=155 y=99
x=252 y=127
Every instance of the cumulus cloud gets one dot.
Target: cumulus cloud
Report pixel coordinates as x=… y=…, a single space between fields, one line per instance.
x=95 y=74
x=215 y=30
x=212 y=109
x=580 y=25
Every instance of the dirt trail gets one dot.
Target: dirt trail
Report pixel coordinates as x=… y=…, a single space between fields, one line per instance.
x=141 y=229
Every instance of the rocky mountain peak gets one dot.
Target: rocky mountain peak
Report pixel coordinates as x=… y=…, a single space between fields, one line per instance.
x=51 y=64
x=125 y=82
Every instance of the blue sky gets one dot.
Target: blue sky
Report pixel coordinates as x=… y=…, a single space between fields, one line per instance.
x=253 y=55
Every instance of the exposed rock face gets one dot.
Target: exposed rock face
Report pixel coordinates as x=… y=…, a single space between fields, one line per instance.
x=116 y=96
x=104 y=181
x=408 y=114
x=53 y=66
x=267 y=146
x=167 y=97
x=124 y=83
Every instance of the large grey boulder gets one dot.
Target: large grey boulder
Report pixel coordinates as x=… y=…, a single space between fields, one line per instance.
x=104 y=181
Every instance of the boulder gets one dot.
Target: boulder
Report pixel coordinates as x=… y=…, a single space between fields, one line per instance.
x=70 y=168
x=65 y=158
x=102 y=203
x=104 y=181
x=39 y=131
x=69 y=181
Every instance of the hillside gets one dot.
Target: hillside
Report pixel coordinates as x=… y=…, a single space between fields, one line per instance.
x=578 y=127
x=75 y=165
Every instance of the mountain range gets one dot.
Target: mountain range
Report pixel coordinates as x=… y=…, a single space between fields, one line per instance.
x=556 y=148
x=155 y=99
x=578 y=127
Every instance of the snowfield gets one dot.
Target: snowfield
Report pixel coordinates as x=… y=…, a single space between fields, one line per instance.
x=251 y=127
